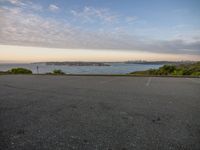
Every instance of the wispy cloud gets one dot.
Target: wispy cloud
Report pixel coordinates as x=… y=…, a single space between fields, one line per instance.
x=24 y=5
x=16 y=2
x=20 y=26
x=53 y=8
x=92 y=14
x=131 y=19
x=31 y=29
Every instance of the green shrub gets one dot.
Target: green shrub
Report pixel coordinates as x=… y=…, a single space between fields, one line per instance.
x=195 y=74
x=58 y=71
x=20 y=71
x=192 y=69
x=166 y=70
x=152 y=72
x=187 y=71
x=178 y=72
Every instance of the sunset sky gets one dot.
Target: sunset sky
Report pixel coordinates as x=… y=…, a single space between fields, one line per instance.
x=99 y=30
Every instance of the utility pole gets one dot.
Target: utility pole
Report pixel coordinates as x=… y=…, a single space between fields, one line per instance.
x=37 y=69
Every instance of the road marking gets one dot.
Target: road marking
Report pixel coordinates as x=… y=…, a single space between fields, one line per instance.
x=149 y=81
x=193 y=80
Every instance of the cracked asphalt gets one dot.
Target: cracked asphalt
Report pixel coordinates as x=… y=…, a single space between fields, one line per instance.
x=99 y=113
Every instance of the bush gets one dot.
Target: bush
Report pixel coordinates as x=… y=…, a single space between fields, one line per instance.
x=152 y=72
x=192 y=69
x=166 y=70
x=186 y=72
x=20 y=71
x=58 y=71
x=196 y=74
x=178 y=72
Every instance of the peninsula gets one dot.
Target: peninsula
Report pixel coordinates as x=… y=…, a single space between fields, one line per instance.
x=79 y=63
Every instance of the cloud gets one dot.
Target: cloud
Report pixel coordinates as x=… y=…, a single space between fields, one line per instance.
x=91 y=14
x=177 y=46
x=24 y=5
x=31 y=29
x=19 y=26
x=131 y=19
x=35 y=7
x=53 y=8
x=16 y=2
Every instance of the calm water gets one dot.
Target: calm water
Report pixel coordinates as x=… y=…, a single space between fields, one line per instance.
x=115 y=68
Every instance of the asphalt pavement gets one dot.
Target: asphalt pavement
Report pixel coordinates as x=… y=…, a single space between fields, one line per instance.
x=41 y=112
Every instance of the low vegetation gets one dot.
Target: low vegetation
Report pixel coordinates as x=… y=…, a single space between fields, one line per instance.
x=58 y=72
x=19 y=71
x=192 y=69
x=27 y=71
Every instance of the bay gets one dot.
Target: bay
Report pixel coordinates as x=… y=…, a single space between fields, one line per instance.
x=114 y=68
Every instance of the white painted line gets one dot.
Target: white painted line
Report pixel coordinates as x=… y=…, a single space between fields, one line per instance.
x=149 y=81
x=194 y=80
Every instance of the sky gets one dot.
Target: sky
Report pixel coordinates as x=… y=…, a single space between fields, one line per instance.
x=99 y=30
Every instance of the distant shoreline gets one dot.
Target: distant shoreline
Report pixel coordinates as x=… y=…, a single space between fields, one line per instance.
x=104 y=62
x=93 y=63
x=78 y=63
x=110 y=69
x=103 y=75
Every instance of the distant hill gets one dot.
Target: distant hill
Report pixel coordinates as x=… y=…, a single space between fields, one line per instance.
x=192 y=69
x=78 y=63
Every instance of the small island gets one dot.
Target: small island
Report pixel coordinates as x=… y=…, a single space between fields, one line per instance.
x=68 y=63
